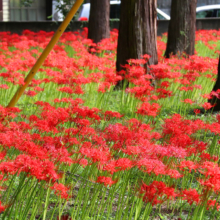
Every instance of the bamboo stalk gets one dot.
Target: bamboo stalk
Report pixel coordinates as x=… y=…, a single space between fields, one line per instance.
x=45 y=53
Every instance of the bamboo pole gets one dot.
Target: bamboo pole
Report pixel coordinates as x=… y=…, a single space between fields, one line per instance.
x=45 y=53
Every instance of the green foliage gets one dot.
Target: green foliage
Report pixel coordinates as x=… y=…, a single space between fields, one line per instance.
x=64 y=6
x=27 y=3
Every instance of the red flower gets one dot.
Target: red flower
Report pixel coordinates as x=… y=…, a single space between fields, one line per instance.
x=191 y=195
x=197 y=111
x=2 y=208
x=30 y=93
x=64 y=217
x=107 y=181
x=83 y=19
x=188 y=101
x=66 y=89
x=218 y=118
x=110 y=114
x=188 y=164
x=146 y=56
x=60 y=190
x=157 y=192
x=148 y=109
x=83 y=162
x=4 y=86
x=124 y=164
x=207 y=106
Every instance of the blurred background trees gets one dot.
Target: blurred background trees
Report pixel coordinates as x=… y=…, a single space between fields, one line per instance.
x=181 y=32
x=137 y=31
x=99 y=20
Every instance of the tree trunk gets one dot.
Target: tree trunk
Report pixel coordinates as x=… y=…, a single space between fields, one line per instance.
x=137 y=31
x=181 y=32
x=49 y=10
x=216 y=87
x=99 y=20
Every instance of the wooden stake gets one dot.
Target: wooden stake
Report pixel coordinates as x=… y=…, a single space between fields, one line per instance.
x=45 y=53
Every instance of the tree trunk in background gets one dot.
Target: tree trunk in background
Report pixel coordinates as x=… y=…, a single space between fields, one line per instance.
x=1 y=11
x=49 y=10
x=181 y=32
x=137 y=31
x=99 y=20
x=214 y=100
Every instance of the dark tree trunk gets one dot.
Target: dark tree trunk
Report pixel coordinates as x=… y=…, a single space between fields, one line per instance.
x=216 y=100
x=49 y=12
x=1 y=11
x=181 y=32
x=99 y=20
x=137 y=31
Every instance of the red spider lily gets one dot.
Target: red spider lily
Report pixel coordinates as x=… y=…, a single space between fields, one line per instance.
x=132 y=150
x=157 y=192
x=197 y=111
x=191 y=196
x=212 y=204
x=30 y=93
x=60 y=190
x=151 y=166
x=110 y=166
x=123 y=164
x=188 y=101
x=188 y=164
x=2 y=208
x=107 y=181
x=4 y=86
x=66 y=89
x=146 y=56
x=218 y=118
x=142 y=91
x=64 y=217
x=83 y=162
x=110 y=114
x=207 y=106
x=101 y=155
x=83 y=19
x=104 y=87
x=148 y=109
